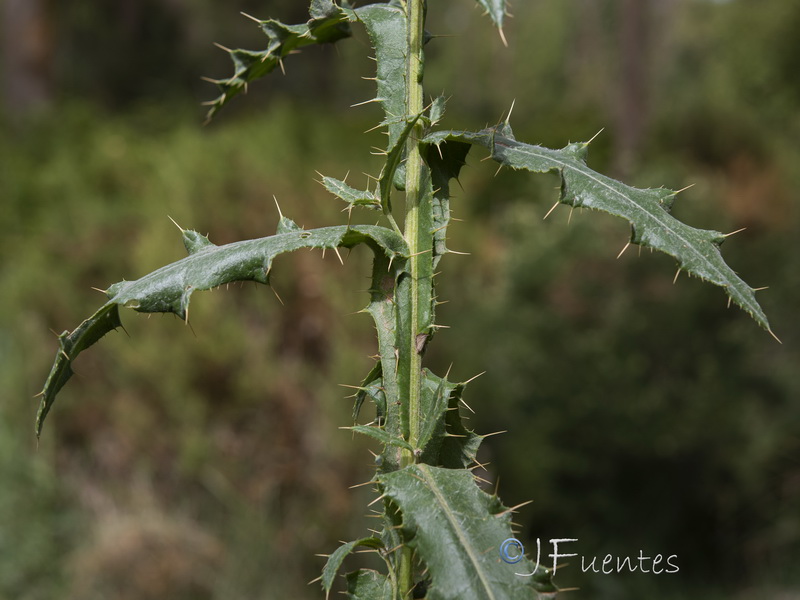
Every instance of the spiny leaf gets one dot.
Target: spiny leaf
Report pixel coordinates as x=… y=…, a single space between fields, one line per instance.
x=322 y=9
x=208 y=266
x=372 y=387
x=383 y=310
x=366 y=584
x=445 y=162
x=459 y=448
x=457 y=530
x=393 y=159
x=437 y=109
x=351 y=195
x=286 y=225
x=386 y=26
x=647 y=210
x=336 y=559
x=328 y=24
x=169 y=288
x=383 y=436
x=496 y=10
x=443 y=438
x=69 y=346
x=434 y=402
x=195 y=242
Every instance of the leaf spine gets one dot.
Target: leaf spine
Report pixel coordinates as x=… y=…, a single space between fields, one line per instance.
x=593 y=137
x=726 y=235
x=552 y=208
x=493 y=433
x=251 y=17
x=370 y=101
x=502 y=36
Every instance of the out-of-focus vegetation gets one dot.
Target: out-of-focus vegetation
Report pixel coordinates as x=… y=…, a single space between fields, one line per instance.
x=207 y=463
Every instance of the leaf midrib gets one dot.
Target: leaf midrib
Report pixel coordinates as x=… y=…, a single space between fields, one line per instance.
x=424 y=469
x=525 y=149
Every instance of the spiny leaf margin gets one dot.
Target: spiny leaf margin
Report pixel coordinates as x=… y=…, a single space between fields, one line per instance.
x=336 y=559
x=647 y=210
x=208 y=266
x=496 y=9
x=455 y=527
x=367 y=584
x=386 y=26
x=328 y=24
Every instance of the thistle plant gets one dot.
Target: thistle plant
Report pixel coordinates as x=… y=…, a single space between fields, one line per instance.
x=440 y=532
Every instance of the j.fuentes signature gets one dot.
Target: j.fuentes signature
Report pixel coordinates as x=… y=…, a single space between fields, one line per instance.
x=512 y=551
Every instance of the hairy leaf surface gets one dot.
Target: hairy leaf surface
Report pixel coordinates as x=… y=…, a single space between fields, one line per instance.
x=647 y=210
x=169 y=288
x=457 y=530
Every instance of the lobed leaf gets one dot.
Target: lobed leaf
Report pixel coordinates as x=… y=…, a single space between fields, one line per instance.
x=647 y=210
x=443 y=439
x=70 y=344
x=387 y=29
x=445 y=161
x=336 y=559
x=328 y=24
x=383 y=436
x=456 y=530
x=383 y=309
x=169 y=288
x=351 y=195
x=372 y=387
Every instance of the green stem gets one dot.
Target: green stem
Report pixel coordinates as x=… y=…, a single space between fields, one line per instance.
x=414 y=198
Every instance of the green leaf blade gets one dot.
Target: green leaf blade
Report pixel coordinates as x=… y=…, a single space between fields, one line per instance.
x=383 y=309
x=328 y=24
x=383 y=436
x=366 y=584
x=457 y=530
x=496 y=9
x=169 y=288
x=351 y=195
x=386 y=27
x=393 y=160
x=336 y=559
x=443 y=439
x=70 y=345
x=647 y=210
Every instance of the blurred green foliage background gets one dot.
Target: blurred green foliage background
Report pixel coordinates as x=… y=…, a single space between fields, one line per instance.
x=206 y=463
